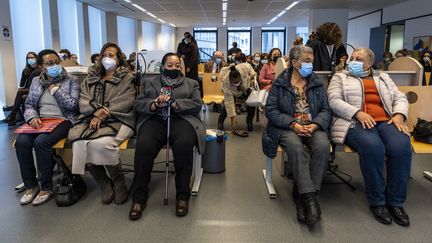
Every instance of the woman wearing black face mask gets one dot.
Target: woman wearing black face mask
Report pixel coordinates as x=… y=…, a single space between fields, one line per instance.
x=267 y=72
x=107 y=119
x=187 y=130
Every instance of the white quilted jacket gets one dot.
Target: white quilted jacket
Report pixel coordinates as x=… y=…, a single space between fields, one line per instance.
x=346 y=97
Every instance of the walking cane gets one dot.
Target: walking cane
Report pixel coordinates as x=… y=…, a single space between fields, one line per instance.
x=167 y=151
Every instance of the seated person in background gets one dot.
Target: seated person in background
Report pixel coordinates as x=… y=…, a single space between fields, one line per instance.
x=240 y=58
x=30 y=71
x=65 y=57
x=216 y=64
x=256 y=63
x=54 y=94
x=384 y=64
x=187 y=130
x=107 y=119
x=74 y=59
x=298 y=40
x=298 y=114
x=372 y=122
x=232 y=52
x=343 y=57
x=94 y=60
x=132 y=61
x=401 y=53
x=237 y=83
x=267 y=73
x=425 y=60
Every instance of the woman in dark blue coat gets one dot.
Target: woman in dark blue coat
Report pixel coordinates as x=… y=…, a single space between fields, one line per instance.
x=299 y=115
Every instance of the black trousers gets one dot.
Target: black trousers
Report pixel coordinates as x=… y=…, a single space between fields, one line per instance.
x=18 y=103
x=150 y=140
x=42 y=144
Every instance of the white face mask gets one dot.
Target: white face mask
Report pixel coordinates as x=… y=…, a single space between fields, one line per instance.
x=109 y=63
x=426 y=59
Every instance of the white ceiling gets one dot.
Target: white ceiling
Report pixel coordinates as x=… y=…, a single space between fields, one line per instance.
x=208 y=13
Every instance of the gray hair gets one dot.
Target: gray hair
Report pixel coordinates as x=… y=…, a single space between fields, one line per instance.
x=297 y=51
x=369 y=53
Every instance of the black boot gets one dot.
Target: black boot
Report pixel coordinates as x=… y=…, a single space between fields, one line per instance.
x=301 y=214
x=120 y=188
x=99 y=174
x=249 y=118
x=312 y=208
x=221 y=118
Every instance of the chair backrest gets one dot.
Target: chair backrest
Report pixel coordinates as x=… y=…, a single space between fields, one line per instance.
x=211 y=88
x=420 y=100
x=201 y=68
x=406 y=71
x=281 y=65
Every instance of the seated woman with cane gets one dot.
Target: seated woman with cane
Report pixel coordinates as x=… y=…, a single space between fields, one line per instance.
x=299 y=115
x=187 y=130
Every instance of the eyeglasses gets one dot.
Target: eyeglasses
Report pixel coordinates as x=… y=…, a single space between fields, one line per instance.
x=52 y=63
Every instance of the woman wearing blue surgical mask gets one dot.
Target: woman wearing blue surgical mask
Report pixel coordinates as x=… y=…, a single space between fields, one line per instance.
x=182 y=94
x=369 y=116
x=53 y=94
x=299 y=115
x=30 y=71
x=107 y=119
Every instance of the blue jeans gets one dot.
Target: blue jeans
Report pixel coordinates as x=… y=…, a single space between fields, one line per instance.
x=373 y=146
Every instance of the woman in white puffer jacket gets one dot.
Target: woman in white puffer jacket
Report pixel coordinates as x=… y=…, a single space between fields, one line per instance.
x=369 y=116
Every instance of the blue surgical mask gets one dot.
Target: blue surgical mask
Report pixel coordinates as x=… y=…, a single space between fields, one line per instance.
x=306 y=69
x=356 y=69
x=54 y=71
x=218 y=61
x=31 y=61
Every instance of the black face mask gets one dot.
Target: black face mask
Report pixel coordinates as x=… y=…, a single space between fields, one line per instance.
x=274 y=59
x=173 y=74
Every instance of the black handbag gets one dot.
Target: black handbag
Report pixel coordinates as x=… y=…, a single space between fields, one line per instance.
x=70 y=188
x=423 y=131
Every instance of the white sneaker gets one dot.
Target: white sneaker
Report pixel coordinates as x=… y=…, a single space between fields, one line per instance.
x=41 y=199
x=29 y=195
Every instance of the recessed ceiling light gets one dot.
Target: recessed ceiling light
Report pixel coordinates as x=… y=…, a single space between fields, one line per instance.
x=128 y=1
x=139 y=7
x=224 y=6
x=152 y=15
x=224 y=13
x=172 y=25
x=292 y=5
x=281 y=13
x=160 y=20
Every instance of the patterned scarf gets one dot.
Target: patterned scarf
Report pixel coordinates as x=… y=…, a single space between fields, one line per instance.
x=45 y=82
x=168 y=85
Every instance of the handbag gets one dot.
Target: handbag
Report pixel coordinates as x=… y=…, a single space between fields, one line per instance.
x=257 y=98
x=70 y=188
x=423 y=131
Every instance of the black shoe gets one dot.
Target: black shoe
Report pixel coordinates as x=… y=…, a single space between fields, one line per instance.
x=7 y=108
x=313 y=212
x=399 y=215
x=136 y=210
x=182 y=208
x=381 y=214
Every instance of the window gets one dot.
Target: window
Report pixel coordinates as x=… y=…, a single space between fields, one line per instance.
x=27 y=39
x=207 y=42
x=97 y=29
x=166 y=38
x=126 y=35
x=303 y=32
x=273 y=37
x=241 y=35
x=149 y=36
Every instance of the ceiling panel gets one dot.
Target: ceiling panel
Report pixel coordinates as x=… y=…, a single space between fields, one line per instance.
x=187 y=13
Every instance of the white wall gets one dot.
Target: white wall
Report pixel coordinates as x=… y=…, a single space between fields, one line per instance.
x=415 y=28
x=406 y=10
x=359 y=29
